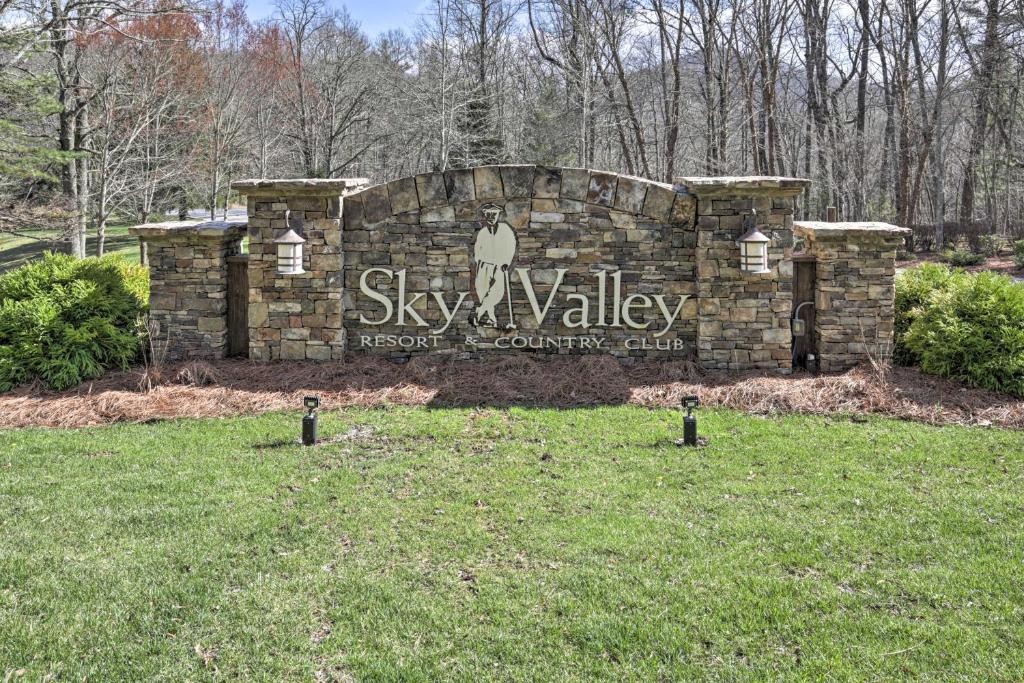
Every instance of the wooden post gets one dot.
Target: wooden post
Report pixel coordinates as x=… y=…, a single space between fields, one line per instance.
x=831 y=215
x=238 y=305
x=804 y=276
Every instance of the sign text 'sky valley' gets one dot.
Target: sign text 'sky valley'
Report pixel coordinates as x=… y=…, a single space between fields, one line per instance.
x=602 y=309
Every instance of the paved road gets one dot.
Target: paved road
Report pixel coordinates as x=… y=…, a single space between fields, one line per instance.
x=204 y=214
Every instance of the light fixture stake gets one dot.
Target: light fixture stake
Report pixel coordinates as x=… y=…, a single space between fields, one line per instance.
x=691 y=403
x=310 y=428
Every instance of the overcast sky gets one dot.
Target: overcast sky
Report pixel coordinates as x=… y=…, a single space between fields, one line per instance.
x=375 y=16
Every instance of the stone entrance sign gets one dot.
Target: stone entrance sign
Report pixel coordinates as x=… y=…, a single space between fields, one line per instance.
x=531 y=259
x=520 y=257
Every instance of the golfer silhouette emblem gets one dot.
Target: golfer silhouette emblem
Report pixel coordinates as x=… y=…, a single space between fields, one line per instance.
x=493 y=253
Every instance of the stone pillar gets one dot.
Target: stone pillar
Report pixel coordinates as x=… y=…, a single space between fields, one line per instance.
x=188 y=283
x=854 y=297
x=296 y=317
x=743 y=318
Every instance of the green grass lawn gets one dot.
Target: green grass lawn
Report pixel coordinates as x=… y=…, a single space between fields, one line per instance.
x=526 y=544
x=16 y=251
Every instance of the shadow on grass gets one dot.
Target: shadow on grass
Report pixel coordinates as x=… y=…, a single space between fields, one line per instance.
x=281 y=443
x=19 y=255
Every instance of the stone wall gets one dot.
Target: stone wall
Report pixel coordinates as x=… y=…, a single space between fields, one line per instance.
x=581 y=261
x=854 y=290
x=743 y=318
x=188 y=284
x=593 y=253
x=599 y=237
x=296 y=317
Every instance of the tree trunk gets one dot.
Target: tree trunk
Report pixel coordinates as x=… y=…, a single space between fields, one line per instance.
x=82 y=176
x=860 y=196
x=984 y=77
x=938 y=150
x=101 y=236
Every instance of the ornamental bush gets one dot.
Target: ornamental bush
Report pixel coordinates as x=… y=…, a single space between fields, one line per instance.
x=962 y=257
x=914 y=289
x=65 y=320
x=970 y=328
x=990 y=245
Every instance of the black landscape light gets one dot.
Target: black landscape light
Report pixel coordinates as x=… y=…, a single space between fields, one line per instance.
x=691 y=403
x=309 y=421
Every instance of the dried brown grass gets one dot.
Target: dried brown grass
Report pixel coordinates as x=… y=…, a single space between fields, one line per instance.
x=239 y=387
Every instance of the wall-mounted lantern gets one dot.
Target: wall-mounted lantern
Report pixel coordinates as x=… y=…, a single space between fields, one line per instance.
x=753 y=247
x=289 y=251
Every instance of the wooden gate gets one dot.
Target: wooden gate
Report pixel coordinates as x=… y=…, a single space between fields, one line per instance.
x=238 y=305
x=803 y=293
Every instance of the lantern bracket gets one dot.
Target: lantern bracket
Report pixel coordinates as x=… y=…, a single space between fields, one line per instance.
x=296 y=223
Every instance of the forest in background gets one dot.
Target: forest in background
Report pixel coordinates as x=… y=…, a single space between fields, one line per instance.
x=897 y=110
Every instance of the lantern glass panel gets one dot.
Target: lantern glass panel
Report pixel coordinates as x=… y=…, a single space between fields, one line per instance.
x=289 y=259
x=754 y=257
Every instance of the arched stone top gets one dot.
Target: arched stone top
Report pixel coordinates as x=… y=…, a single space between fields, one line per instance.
x=428 y=192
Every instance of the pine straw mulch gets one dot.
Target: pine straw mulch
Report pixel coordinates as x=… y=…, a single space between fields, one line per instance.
x=239 y=387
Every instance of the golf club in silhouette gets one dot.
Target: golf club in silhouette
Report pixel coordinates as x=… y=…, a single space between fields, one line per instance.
x=493 y=253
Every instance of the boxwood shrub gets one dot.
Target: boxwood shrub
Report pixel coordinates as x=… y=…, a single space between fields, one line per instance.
x=914 y=288
x=962 y=326
x=963 y=257
x=65 y=320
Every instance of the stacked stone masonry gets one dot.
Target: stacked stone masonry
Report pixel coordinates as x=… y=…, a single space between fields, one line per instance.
x=854 y=290
x=188 y=284
x=296 y=317
x=743 y=318
x=583 y=222
x=394 y=259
